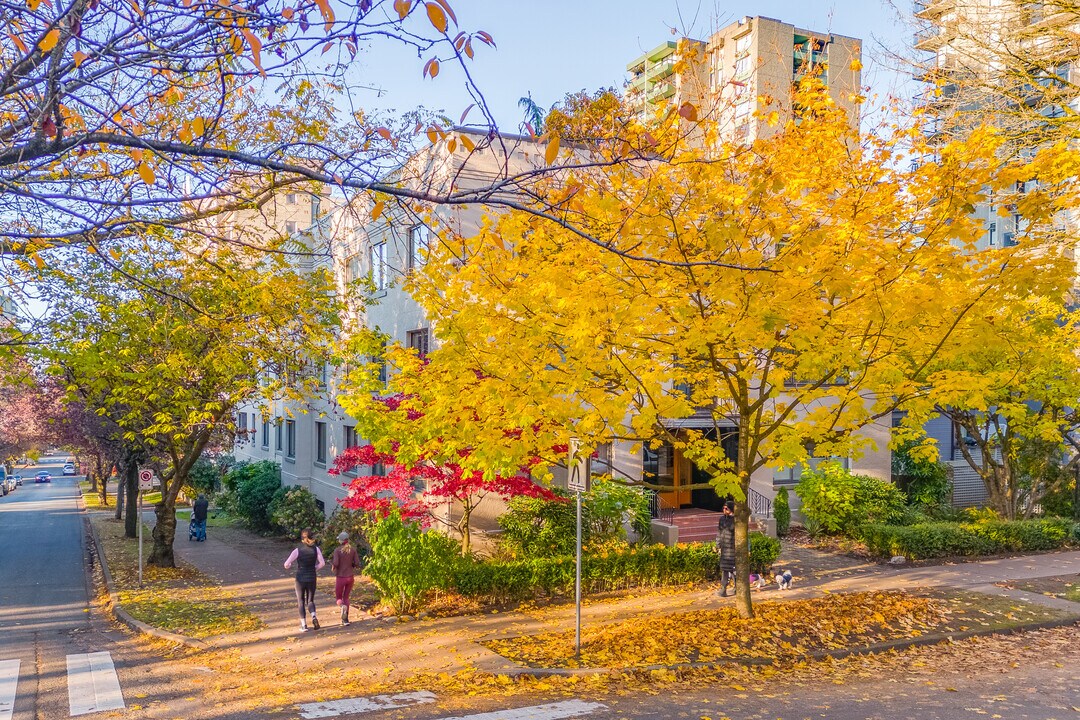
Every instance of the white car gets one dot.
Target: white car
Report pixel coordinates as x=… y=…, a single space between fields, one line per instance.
x=69 y=469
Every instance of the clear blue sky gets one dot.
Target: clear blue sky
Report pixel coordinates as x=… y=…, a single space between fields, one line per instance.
x=554 y=47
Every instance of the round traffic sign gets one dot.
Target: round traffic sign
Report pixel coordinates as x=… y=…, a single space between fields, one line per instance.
x=146 y=476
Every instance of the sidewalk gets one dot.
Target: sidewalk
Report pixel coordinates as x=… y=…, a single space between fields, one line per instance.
x=382 y=649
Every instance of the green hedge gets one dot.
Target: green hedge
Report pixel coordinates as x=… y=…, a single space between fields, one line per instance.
x=941 y=539
x=636 y=566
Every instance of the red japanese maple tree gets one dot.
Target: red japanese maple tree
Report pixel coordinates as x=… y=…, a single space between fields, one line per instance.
x=400 y=483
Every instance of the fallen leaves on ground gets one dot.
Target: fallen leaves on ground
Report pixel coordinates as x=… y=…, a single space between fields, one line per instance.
x=180 y=599
x=779 y=631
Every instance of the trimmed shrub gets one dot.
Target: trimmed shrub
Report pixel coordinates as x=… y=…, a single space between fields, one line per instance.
x=533 y=527
x=941 y=539
x=293 y=509
x=354 y=522
x=839 y=502
x=764 y=551
x=252 y=487
x=406 y=562
x=630 y=567
x=782 y=512
x=925 y=483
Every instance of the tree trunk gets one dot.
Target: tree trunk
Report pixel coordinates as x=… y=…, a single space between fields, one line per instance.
x=131 y=483
x=92 y=473
x=119 y=498
x=464 y=529
x=164 y=532
x=743 y=603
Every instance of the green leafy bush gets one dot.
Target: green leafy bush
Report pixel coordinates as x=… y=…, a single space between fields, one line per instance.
x=628 y=567
x=533 y=527
x=251 y=488
x=840 y=502
x=942 y=539
x=925 y=483
x=354 y=522
x=406 y=562
x=293 y=509
x=782 y=512
x=764 y=551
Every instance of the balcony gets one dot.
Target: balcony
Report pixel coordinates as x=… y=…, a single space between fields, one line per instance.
x=927 y=9
x=934 y=37
x=660 y=70
x=661 y=92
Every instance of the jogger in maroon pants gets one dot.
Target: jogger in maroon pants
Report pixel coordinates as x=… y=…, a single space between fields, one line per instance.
x=344 y=563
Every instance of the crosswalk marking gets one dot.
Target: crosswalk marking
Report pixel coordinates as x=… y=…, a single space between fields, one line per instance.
x=9 y=680
x=552 y=711
x=92 y=684
x=364 y=704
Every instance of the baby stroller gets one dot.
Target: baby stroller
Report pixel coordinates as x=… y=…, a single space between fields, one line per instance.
x=197 y=530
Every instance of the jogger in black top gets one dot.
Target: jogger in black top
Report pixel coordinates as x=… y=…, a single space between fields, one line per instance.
x=309 y=560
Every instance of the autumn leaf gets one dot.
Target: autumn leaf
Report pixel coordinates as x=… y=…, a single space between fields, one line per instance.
x=551 y=153
x=49 y=41
x=431 y=68
x=402 y=7
x=79 y=57
x=377 y=210
x=688 y=112
x=327 y=13
x=147 y=174
x=256 y=49
x=437 y=17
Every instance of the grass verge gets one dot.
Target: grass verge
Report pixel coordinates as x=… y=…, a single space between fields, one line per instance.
x=1066 y=587
x=780 y=631
x=214 y=519
x=181 y=599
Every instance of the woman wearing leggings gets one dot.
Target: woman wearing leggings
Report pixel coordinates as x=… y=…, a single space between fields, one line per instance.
x=309 y=560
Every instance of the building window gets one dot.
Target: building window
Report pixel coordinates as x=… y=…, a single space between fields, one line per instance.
x=266 y=433
x=351 y=439
x=290 y=199
x=241 y=426
x=290 y=227
x=791 y=476
x=418 y=246
x=320 y=442
x=378 y=265
x=418 y=340
x=290 y=438
x=352 y=268
x=277 y=435
x=742 y=43
x=993 y=230
x=742 y=67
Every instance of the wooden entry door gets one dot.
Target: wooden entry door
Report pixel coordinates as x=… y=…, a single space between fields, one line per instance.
x=684 y=476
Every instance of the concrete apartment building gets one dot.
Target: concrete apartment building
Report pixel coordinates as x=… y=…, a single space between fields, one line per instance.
x=739 y=66
x=963 y=48
x=731 y=70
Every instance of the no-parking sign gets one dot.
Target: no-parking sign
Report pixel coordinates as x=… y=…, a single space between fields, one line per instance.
x=146 y=479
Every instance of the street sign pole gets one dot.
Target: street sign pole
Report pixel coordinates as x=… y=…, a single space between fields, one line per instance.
x=146 y=481
x=577 y=480
x=140 y=536
x=577 y=583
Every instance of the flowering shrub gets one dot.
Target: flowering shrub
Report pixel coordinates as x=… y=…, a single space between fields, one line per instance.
x=293 y=509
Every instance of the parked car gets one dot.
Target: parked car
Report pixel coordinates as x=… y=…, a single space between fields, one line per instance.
x=69 y=468
x=18 y=480
x=43 y=477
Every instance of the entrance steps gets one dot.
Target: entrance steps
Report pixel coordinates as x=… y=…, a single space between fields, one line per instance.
x=697 y=525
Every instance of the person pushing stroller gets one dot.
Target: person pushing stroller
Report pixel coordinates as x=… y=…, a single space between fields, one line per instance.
x=197 y=527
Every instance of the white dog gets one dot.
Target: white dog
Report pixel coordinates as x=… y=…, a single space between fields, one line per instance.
x=783 y=580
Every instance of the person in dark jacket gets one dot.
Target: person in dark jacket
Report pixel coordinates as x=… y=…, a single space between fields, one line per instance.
x=309 y=560
x=198 y=516
x=725 y=545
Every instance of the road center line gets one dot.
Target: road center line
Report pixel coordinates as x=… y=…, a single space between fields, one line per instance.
x=552 y=711
x=9 y=681
x=364 y=704
x=92 y=684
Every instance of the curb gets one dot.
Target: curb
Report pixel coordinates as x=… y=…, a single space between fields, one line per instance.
x=522 y=671
x=117 y=610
